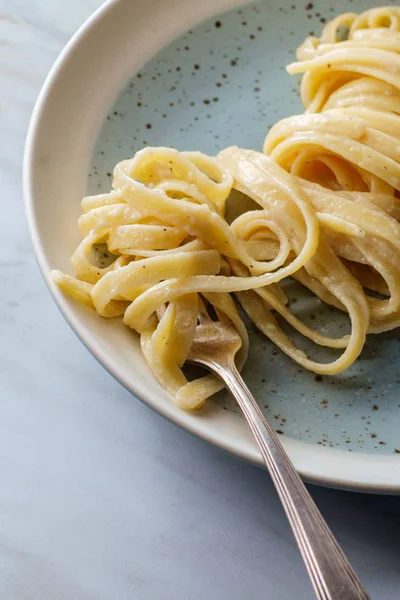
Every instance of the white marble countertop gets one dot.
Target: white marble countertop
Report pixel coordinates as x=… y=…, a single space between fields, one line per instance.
x=100 y=498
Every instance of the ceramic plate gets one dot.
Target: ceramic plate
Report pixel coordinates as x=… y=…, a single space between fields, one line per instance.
x=178 y=74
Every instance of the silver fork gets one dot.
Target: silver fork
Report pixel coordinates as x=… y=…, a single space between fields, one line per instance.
x=215 y=346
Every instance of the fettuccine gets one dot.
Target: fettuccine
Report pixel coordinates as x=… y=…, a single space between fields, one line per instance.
x=325 y=212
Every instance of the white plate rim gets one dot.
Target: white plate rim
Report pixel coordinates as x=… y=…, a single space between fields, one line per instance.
x=316 y=464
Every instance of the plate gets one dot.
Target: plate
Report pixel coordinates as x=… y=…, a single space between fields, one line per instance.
x=194 y=79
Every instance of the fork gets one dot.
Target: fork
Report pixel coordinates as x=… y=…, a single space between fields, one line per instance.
x=215 y=346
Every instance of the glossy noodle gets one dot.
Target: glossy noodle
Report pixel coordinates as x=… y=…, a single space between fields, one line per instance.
x=324 y=211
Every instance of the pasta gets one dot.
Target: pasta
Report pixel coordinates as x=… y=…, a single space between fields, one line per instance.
x=321 y=206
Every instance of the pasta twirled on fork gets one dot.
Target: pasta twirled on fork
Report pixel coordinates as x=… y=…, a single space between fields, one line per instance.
x=325 y=210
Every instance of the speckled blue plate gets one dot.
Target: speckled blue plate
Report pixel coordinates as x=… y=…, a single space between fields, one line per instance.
x=217 y=83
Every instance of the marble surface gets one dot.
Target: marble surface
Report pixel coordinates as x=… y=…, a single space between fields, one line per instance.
x=100 y=498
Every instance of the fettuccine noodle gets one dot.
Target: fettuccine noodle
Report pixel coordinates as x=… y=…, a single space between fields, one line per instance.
x=325 y=212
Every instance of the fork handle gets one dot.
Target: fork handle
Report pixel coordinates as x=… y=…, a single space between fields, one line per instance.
x=331 y=574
